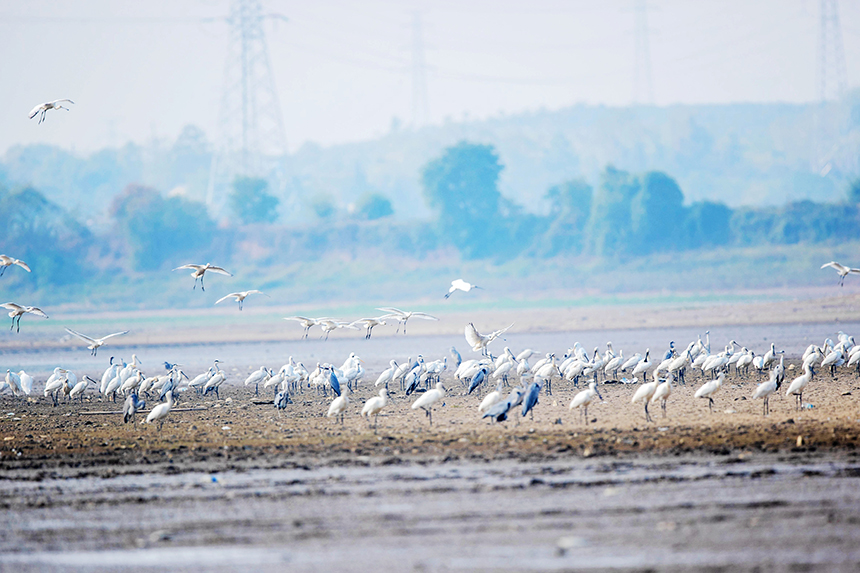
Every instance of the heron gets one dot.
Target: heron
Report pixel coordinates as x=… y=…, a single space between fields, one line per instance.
x=530 y=399
x=430 y=398
x=17 y=311
x=460 y=284
x=282 y=398
x=403 y=316
x=95 y=343
x=6 y=262
x=159 y=413
x=198 y=272
x=456 y=356
x=132 y=406
x=479 y=378
x=375 y=405
x=842 y=270
x=239 y=296
x=48 y=105
x=584 y=398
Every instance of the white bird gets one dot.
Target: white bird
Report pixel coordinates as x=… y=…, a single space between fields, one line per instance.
x=95 y=343
x=800 y=383
x=429 y=399
x=584 y=398
x=369 y=323
x=44 y=107
x=491 y=399
x=160 y=412
x=478 y=341
x=842 y=270
x=387 y=375
x=198 y=271
x=404 y=316
x=375 y=405
x=643 y=365
x=460 y=284
x=17 y=311
x=338 y=407
x=329 y=325
x=7 y=262
x=663 y=391
x=257 y=376
x=80 y=387
x=26 y=382
x=765 y=389
x=239 y=296
x=14 y=382
x=708 y=389
x=644 y=393
x=306 y=322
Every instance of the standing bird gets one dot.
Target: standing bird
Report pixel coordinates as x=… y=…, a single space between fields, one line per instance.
x=492 y=398
x=765 y=389
x=375 y=405
x=200 y=270
x=842 y=270
x=584 y=398
x=456 y=356
x=131 y=407
x=460 y=284
x=239 y=296
x=530 y=399
x=403 y=316
x=7 y=262
x=429 y=399
x=800 y=383
x=708 y=389
x=44 y=107
x=282 y=398
x=95 y=343
x=338 y=407
x=644 y=393
x=662 y=392
x=160 y=412
x=17 y=311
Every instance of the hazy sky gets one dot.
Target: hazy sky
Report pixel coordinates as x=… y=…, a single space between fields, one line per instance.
x=138 y=70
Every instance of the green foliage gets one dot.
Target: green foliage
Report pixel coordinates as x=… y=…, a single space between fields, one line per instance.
x=854 y=192
x=657 y=215
x=570 y=207
x=608 y=228
x=708 y=224
x=158 y=229
x=323 y=205
x=372 y=206
x=250 y=201
x=45 y=236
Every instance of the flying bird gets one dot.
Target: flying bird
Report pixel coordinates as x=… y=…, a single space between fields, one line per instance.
x=95 y=343
x=460 y=284
x=44 y=107
x=7 y=262
x=404 y=316
x=478 y=341
x=17 y=311
x=239 y=296
x=200 y=270
x=842 y=270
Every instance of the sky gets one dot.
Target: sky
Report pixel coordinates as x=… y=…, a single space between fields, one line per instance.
x=139 y=71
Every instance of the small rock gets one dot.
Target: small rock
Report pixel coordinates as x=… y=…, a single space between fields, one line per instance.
x=799 y=441
x=225 y=427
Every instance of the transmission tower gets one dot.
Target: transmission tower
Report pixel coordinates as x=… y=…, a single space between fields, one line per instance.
x=251 y=130
x=420 y=107
x=831 y=84
x=643 y=89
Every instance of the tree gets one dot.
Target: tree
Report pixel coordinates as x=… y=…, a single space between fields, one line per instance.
x=708 y=224
x=608 y=229
x=157 y=229
x=854 y=192
x=250 y=201
x=570 y=206
x=372 y=206
x=461 y=186
x=657 y=215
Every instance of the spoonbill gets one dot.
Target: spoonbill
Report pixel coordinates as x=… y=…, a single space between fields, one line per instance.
x=368 y=323
x=491 y=399
x=478 y=341
x=239 y=296
x=375 y=405
x=708 y=389
x=17 y=311
x=662 y=392
x=159 y=413
x=800 y=383
x=44 y=107
x=842 y=270
x=584 y=398
x=95 y=343
x=198 y=271
x=306 y=322
x=765 y=389
x=7 y=262
x=338 y=407
x=429 y=399
x=644 y=393
x=460 y=284
x=403 y=316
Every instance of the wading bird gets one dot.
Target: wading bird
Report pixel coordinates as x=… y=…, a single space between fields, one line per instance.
x=842 y=270
x=403 y=316
x=159 y=413
x=7 y=262
x=429 y=399
x=306 y=322
x=131 y=407
x=375 y=405
x=460 y=284
x=800 y=383
x=478 y=341
x=44 y=107
x=338 y=407
x=239 y=296
x=584 y=398
x=368 y=323
x=708 y=389
x=644 y=393
x=95 y=343
x=765 y=389
x=17 y=311
x=200 y=270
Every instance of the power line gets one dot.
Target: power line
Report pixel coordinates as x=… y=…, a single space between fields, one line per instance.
x=643 y=88
x=420 y=106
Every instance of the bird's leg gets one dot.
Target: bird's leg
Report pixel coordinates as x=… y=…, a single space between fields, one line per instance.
x=647 y=416
x=710 y=405
x=3 y=270
x=19 y=323
x=202 y=287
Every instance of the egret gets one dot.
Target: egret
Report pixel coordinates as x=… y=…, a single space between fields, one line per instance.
x=765 y=389
x=403 y=316
x=95 y=343
x=160 y=412
x=429 y=399
x=239 y=296
x=44 y=107
x=460 y=284
x=200 y=270
x=14 y=382
x=480 y=342
x=338 y=407
x=375 y=405
x=842 y=270
x=708 y=389
x=17 y=311
x=6 y=262
x=26 y=382
x=800 y=383
x=584 y=398
x=131 y=406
